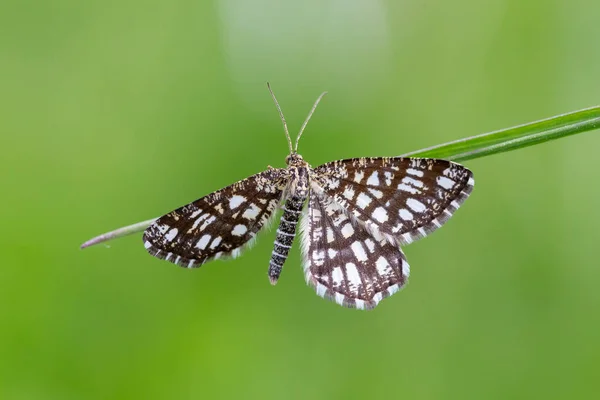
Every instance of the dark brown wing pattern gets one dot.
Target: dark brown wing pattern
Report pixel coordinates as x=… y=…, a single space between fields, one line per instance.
x=344 y=261
x=217 y=225
x=403 y=198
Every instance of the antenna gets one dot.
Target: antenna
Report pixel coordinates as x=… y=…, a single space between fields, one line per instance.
x=285 y=128
x=312 y=110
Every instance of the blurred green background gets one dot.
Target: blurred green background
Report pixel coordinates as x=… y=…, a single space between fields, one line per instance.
x=114 y=112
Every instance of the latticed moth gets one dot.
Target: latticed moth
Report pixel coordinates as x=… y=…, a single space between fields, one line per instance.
x=360 y=211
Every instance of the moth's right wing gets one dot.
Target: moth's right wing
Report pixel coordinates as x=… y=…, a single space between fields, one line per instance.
x=217 y=225
x=403 y=198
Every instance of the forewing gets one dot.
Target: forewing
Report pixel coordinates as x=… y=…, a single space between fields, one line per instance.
x=219 y=224
x=403 y=198
x=344 y=261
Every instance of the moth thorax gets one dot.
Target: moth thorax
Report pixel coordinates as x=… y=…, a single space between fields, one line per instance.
x=298 y=184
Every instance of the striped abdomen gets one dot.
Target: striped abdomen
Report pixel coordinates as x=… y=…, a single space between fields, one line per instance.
x=289 y=221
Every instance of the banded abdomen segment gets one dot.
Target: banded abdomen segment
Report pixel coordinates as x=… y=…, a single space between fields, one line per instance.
x=296 y=194
x=285 y=235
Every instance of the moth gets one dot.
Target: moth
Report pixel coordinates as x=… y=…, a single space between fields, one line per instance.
x=358 y=214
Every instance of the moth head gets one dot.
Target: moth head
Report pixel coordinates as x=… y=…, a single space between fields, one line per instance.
x=294 y=160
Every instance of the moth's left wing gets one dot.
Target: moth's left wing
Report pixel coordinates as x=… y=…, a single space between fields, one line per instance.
x=403 y=198
x=217 y=225
x=343 y=260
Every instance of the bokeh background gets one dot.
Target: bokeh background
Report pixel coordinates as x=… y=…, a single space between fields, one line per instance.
x=114 y=112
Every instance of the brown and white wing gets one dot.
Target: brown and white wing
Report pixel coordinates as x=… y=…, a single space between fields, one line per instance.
x=217 y=225
x=344 y=261
x=403 y=198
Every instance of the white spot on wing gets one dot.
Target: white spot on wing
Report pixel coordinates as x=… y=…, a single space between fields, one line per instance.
x=349 y=193
x=207 y=222
x=333 y=183
x=380 y=214
x=203 y=242
x=347 y=230
x=377 y=193
x=330 y=237
x=251 y=212
x=373 y=179
x=353 y=276
x=446 y=183
x=363 y=200
x=415 y=172
x=415 y=205
x=406 y=188
x=236 y=201
x=359 y=251
x=195 y=214
x=318 y=257
x=383 y=267
x=171 y=235
x=216 y=242
x=388 y=177
x=198 y=220
x=337 y=276
x=239 y=230
x=415 y=182
x=358 y=176
x=405 y=214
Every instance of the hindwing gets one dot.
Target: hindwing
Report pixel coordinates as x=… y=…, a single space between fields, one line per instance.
x=346 y=262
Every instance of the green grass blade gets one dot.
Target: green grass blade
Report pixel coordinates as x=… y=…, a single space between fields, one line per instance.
x=469 y=148
x=514 y=138
x=117 y=233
